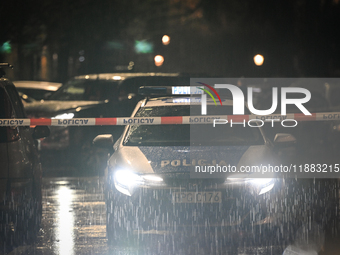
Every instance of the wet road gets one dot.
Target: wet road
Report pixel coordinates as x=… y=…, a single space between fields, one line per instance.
x=74 y=223
x=73 y=218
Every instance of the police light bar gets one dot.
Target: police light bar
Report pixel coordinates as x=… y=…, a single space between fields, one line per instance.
x=186 y=90
x=168 y=90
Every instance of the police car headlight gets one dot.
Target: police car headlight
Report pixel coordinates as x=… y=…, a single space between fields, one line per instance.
x=153 y=178
x=64 y=116
x=263 y=185
x=127 y=178
x=261 y=181
x=126 y=181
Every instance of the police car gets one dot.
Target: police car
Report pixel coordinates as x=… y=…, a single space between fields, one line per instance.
x=151 y=187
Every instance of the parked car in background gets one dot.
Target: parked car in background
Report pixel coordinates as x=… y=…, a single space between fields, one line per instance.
x=20 y=172
x=37 y=90
x=92 y=96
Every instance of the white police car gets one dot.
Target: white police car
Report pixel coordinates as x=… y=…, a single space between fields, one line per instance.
x=149 y=188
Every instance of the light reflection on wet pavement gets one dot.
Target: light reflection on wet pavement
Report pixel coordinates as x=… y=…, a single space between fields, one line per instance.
x=73 y=217
x=74 y=223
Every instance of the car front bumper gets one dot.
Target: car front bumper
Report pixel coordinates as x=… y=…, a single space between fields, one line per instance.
x=239 y=206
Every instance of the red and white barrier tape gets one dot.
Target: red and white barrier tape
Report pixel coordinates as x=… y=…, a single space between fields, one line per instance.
x=326 y=116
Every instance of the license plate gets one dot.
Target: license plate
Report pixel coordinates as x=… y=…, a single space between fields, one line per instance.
x=197 y=197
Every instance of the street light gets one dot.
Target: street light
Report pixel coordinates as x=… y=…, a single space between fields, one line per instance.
x=258 y=60
x=165 y=39
x=159 y=59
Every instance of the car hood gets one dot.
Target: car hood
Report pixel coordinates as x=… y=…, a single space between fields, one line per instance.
x=48 y=108
x=154 y=159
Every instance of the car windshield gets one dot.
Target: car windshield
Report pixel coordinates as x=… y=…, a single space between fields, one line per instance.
x=84 y=90
x=186 y=135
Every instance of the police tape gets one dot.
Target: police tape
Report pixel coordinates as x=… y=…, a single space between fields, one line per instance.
x=326 y=116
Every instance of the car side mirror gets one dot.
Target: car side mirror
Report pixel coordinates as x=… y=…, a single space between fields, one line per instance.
x=284 y=139
x=103 y=141
x=40 y=132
